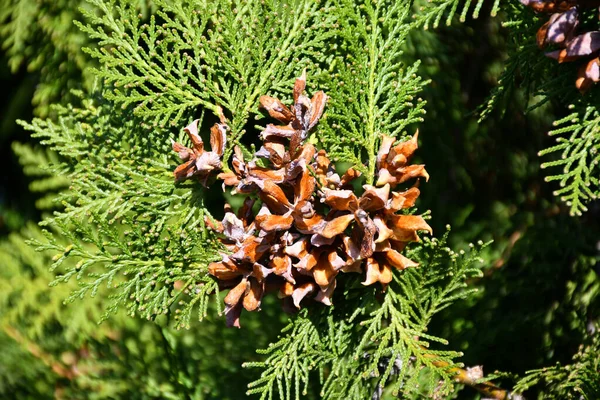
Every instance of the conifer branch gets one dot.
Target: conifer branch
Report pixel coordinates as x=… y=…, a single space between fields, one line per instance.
x=291 y=360
x=543 y=80
x=373 y=92
x=389 y=346
x=128 y=226
x=578 y=380
x=473 y=377
x=579 y=158
x=431 y=12
x=232 y=54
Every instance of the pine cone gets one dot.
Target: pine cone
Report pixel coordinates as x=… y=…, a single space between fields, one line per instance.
x=379 y=234
x=560 y=30
x=311 y=225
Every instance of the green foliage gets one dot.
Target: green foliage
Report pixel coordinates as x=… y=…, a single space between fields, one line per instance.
x=16 y=17
x=25 y=302
x=30 y=313
x=370 y=340
x=432 y=12
x=47 y=183
x=579 y=157
x=52 y=351
x=124 y=217
x=544 y=80
x=40 y=36
x=204 y=54
x=577 y=380
x=372 y=92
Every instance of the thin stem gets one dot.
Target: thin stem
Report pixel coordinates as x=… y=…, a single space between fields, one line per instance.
x=371 y=102
x=469 y=377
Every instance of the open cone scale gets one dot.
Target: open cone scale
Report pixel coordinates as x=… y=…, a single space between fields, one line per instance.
x=561 y=30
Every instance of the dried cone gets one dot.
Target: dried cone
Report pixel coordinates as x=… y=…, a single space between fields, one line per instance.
x=311 y=225
x=197 y=161
x=242 y=269
x=560 y=30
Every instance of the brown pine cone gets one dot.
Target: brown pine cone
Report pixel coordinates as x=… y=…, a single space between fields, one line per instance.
x=560 y=30
x=311 y=225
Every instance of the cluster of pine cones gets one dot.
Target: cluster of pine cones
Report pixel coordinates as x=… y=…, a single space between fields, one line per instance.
x=310 y=225
x=561 y=30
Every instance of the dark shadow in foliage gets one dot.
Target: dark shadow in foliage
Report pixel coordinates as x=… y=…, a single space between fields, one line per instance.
x=16 y=201
x=540 y=292
x=535 y=310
